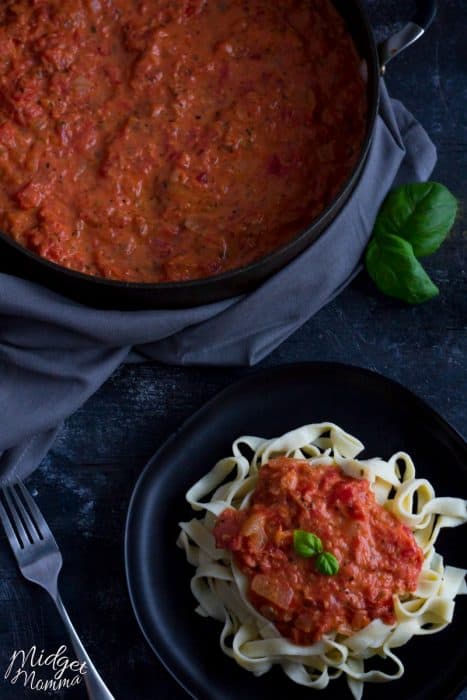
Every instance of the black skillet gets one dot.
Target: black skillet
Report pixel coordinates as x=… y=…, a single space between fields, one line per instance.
x=99 y=292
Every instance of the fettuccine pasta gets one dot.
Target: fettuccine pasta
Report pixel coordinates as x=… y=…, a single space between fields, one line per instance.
x=220 y=587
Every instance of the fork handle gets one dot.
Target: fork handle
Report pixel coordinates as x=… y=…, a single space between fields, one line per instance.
x=97 y=690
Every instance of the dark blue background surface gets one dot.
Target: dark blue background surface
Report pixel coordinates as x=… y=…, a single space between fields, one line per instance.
x=85 y=483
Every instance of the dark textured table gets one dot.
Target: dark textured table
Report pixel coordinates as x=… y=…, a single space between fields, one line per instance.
x=84 y=484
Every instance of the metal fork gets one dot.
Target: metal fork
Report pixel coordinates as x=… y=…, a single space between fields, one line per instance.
x=40 y=561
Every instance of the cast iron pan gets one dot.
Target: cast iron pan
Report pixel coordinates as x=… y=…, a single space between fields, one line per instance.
x=387 y=418
x=99 y=292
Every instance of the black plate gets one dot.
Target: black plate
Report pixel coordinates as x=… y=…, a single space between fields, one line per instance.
x=387 y=418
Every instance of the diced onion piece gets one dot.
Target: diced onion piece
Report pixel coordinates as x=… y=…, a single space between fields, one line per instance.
x=253 y=528
x=276 y=590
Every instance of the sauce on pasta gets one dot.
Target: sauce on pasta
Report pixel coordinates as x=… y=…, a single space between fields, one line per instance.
x=378 y=556
x=164 y=140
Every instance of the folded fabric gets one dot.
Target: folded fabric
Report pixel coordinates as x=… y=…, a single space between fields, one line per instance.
x=54 y=353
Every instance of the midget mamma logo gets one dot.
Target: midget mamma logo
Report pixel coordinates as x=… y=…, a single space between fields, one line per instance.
x=29 y=668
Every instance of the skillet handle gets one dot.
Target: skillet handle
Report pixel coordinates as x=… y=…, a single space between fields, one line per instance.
x=424 y=16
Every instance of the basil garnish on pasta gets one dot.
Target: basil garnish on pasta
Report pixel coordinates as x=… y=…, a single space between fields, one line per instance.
x=327 y=564
x=306 y=544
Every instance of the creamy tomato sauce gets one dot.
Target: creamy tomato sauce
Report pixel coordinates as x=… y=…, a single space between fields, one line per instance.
x=158 y=140
x=378 y=556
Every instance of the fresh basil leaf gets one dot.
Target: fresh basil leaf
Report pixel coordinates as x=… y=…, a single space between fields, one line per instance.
x=306 y=544
x=327 y=564
x=393 y=267
x=422 y=213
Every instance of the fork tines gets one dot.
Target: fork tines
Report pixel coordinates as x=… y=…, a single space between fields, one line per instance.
x=23 y=522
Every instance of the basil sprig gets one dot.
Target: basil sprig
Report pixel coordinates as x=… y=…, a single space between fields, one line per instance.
x=307 y=544
x=413 y=222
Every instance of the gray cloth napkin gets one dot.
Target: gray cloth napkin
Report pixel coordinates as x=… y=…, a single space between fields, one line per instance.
x=55 y=353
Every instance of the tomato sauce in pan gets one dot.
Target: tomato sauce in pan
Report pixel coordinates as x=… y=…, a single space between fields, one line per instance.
x=164 y=140
x=378 y=556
